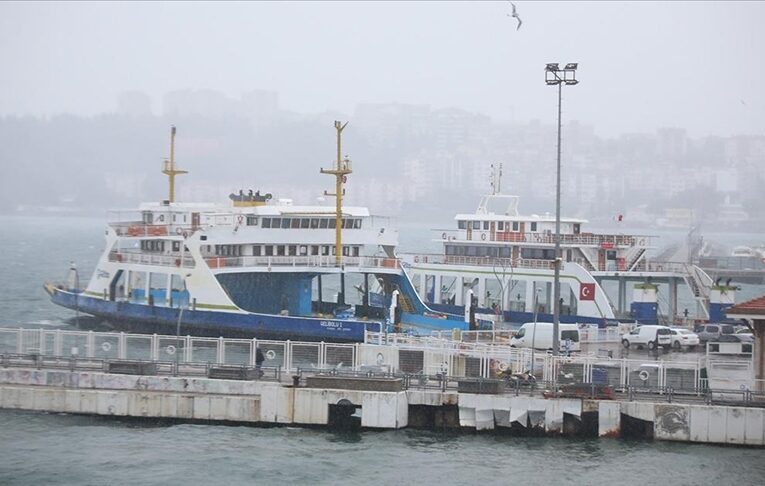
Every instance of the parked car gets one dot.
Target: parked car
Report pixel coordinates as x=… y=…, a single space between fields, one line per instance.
x=540 y=336
x=710 y=332
x=649 y=335
x=684 y=338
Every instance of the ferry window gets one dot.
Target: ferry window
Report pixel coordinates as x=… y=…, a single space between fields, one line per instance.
x=286 y=223
x=461 y=224
x=276 y=223
x=323 y=223
x=471 y=251
x=450 y=250
x=507 y=252
x=501 y=226
x=314 y=250
x=345 y=251
x=611 y=255
x=325 y=250
x=161 y=218
x=304 y=223
x=485 y=225
x=184 y=218
x=266 y=222
x=332 y=223
x=292 y=249
x=280 y=250
x=355 y=251
x=357 y=223
x=345 y=224
x=176 y=246
x=533 y=226
x=314 y=223
x=334 y=253
x=255 y=250
x=269 y=250
x=295 y=223
x=577 y=228
x=252 y=220
x=476 y=225
x=515 y=226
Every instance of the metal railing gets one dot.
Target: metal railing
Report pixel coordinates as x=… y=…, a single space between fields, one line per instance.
x=582 y=239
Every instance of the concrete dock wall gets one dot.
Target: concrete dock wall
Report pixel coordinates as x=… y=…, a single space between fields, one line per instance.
x=84 y=392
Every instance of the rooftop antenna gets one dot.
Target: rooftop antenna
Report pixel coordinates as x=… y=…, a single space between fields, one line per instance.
x=341 y=170
x=496 y=179
x=170 y=171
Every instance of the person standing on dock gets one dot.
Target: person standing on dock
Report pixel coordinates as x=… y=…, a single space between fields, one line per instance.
x=259 y=358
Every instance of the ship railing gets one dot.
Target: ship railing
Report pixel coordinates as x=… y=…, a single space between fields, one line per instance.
x=487 y=261
x=144 y=258
x=138 y=229
x=320 y=261
x=582 y=239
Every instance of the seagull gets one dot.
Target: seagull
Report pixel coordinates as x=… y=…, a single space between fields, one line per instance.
x=515 y=14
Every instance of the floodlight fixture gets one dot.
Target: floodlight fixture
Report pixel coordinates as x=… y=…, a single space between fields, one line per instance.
x=571 y=66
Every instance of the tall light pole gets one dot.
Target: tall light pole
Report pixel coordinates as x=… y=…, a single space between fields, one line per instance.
x=557 y=76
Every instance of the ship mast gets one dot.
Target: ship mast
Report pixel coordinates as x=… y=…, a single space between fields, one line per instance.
x=341 y=170
x=170 y=171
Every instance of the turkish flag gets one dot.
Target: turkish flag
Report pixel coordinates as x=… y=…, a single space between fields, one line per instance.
x=587 y=291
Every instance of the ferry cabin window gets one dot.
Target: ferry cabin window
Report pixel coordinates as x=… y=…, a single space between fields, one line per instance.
x=252 y=220
x=476 y=225
x=286 y=223
x=255 y=250
x=461 y=224
x=176 y=246
x=611 y=255
x=148 y=217
x=269 y=250
x=485 y=225
x=357 y=223
x=577 y=228
x=314 y=249
x=314 y=223
x=533 y=226
x=295 y=224
x=537 y=254
x=266 y=222
x=500 y=226
x=516 y=226
x=345 y=251
x=155 y=246
x=304 y=223
x=325 y=250
x=276 y=222
x=332 y=223
x=355 y=251
x=161 y=218
x=279 y=250
x=292 y=250
x=323 y=223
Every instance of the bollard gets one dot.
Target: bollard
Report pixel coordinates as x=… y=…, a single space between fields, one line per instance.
x=296 y=380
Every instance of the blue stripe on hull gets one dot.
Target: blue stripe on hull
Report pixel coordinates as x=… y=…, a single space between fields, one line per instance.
x=215 y=323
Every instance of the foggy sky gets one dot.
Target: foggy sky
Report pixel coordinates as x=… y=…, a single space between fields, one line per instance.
x=696 y=65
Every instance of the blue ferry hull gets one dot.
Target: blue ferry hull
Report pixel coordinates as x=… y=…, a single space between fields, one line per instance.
x=145 y=318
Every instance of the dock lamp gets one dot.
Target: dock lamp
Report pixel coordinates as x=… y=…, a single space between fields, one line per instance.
x=555 y=76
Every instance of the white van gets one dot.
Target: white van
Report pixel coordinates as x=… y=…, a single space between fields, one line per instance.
x=650 y=336
x=542 y=338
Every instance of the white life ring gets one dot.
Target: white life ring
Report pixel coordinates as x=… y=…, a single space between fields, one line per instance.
x=270 y=354
x=502 y=366
x=185 y=234
x=106 y=346
x=483 y=236
x=170 y=350
x=641 y=242
x=644 y=375
x=178 y=231
x=416 y=259
x=443 y=236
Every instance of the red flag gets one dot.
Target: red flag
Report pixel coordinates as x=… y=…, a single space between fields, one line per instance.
x=587 y=291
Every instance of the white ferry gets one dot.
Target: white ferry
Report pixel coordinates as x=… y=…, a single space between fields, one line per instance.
x=255 y=266
x=503 y=262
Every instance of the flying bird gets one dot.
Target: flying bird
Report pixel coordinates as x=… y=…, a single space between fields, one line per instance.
x=515 y=14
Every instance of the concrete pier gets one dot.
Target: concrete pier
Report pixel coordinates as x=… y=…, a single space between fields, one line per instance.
x=263 y=402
